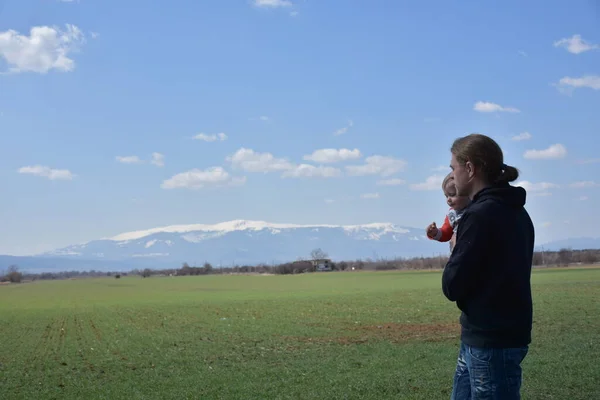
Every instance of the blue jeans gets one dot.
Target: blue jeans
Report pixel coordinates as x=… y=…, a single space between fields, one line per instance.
x=488 y=374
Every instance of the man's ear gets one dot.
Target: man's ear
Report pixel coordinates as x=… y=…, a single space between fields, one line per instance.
x=470 y=167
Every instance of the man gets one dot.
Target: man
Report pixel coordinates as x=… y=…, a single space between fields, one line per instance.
x=488 y=273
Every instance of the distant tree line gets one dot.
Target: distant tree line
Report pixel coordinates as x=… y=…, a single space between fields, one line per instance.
x=563 y=257
x=14 y=275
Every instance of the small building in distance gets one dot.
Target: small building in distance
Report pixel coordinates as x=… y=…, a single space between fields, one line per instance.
x=321 y=264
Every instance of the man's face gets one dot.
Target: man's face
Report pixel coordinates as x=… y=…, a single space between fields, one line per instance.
x=462 y=177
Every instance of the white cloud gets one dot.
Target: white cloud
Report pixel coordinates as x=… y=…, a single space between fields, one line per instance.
x=249 y=160
x=343 y=130
x=391 y=182
x=94 y=35
x=310 y=171
x=433 y=182
x=522 y=136
x=198 y=179
x=575 y=44
x=542 y=194
x=212 y=137
x=47 y=172
x=45 y=49
x=129 y=159
x=569 y=84
x=537 y=187
x=377 y=165
x=522 y=53
x=487 y=107
x=584 y=198
x=158 y=159
x=441 y=168
x=553 y=152
x=294 y=14
x=272 y=3
x=333 y=155
x=584 y=185
x=547 y=224
x=370 y=196
x=329 y=201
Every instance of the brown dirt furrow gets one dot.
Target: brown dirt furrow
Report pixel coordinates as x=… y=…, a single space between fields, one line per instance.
x=392 y=332
x=38 y=350
x=96 y=331
x=81 y=344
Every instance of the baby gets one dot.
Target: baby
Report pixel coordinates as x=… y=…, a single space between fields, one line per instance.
x=457 y=206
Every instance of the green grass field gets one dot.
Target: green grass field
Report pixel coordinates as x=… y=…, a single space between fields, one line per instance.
x=359 y=335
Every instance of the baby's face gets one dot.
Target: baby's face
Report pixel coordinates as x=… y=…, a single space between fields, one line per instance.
x=453 y=200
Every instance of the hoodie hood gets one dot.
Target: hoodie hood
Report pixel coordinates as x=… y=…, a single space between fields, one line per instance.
x=511 y=195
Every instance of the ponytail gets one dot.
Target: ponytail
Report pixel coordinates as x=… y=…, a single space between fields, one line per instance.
x=508 y=174
x=487 y=156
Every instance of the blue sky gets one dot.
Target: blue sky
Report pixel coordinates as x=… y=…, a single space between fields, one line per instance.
x=119 y=116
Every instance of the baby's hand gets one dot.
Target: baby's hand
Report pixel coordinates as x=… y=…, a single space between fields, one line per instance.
x=432 y=230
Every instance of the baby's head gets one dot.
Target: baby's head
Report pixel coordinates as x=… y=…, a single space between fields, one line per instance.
x=454 y=201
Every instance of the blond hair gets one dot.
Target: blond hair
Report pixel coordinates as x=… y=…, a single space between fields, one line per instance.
x=446 y=180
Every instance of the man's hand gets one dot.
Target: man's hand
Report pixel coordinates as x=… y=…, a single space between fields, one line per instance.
x=432 y=230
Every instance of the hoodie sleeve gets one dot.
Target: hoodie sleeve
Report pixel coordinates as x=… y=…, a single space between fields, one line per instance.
x=466 y=261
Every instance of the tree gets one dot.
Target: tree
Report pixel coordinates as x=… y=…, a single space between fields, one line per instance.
x=208 y=268
x=538 y=259
x=146 y=273
x=14 y=275
x=318 y=254
x=589 y=257
x=565 y=257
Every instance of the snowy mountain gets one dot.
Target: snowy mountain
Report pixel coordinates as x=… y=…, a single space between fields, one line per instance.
x=251 y=242
x=245 y=242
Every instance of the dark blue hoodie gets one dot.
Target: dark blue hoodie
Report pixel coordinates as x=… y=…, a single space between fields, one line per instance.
x=488 y=273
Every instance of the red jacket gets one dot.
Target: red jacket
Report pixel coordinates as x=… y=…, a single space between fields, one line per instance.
x=444 y=233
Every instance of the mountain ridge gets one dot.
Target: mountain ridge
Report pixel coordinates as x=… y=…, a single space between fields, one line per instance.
x=248 y=242
x=238 y=225
x=154 y=242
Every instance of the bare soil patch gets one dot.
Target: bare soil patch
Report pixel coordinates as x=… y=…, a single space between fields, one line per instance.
x=403 y=332
x=391 y=332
